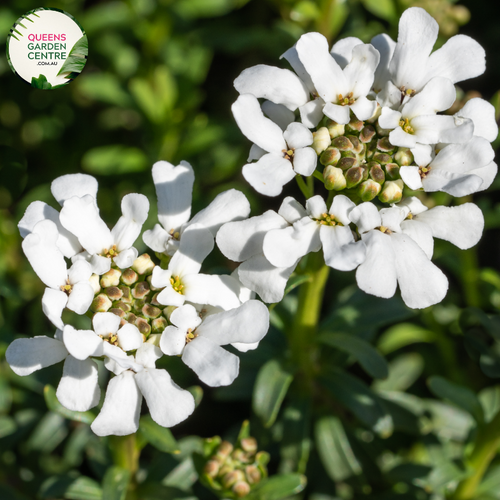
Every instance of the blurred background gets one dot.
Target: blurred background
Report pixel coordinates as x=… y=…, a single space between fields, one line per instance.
x=158 y=86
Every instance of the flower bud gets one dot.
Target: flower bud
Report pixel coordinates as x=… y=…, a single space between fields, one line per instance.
x=376 y=114
x=330 y=156
x=377 y=174
x=392 y=192
x=129 y=277
x=211 y=468
x=382 y=158
x=382 y=131
x=137 y=305
x=117 y=312
x=238 y=455
x=232 y=477
x=143 y=264
x=334 y=178
x=159 y=324
x=403 y=157
x=356 y=144
x=126 y=294
x=354 y=176
x=367 y=134
x=249 y=445
x=168 y=311
x=111 y=278
x=321 y=140
x=114 y=293
x=241 y=489
x=150 y=311
x=140 y=290
x=154 y=338
x=131 y=318
x=253 y=474
x=368 y=189
x=354 y=125
x=154 y=300
x=342 y=143
x=94 y=282
x=224 y=449
x=335 y=129
x=348 y=160
x=384 y=144
x=124 y=306
x=143 y=326
x=149 y=279
x=101 y=303
x=392 y=171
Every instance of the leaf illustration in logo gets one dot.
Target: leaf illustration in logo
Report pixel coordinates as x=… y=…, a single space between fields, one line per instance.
x=76 y=59
x=40 y=82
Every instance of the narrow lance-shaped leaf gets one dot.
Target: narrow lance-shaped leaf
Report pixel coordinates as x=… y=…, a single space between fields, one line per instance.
x=278 y=487
x=77 y=58
x=158 y=436
x=53 y=404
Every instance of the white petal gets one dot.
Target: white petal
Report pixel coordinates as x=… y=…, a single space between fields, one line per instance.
x=482 y=113
x=365 y=216
x=173 y=340
x=392 y=217
x=65 y=187
x=255 y=153
x=81 y=217
x=80 y=298
x=245 y=347
x=121 y=409
x=105 y=323
x=135 y=208
x=337 y=113
x=278 y=85
x=422 y=284
x=99 y=264
x=156 y=238
x=116 y=360
x=487 y=174
x=377 y=274
x=411 y=177
x=455 y=184
x=129 y=337
x=389 y=96
x=413 y=204
x=247 y=323
x=291 y=210
x=433 y=129
x=399 y=137
x=342 y=50
x=389 y=118
x=460 y=58
x=421 y=234
x=363 y=108
x=341 y=207
x=214 y=290
x=316 y=207
x=79 y=271
x=422 y=154
x=292 y=57
x=385 y=46
x=174 y=187
x=228 y=206
x=78 y=389
x=126 y=257
x=278 y=113
x=26 y=356
x=53 y=304
x=269 y=174
x=340 y=250
x=82 y=344
x=311 y=112
x=40 y=247
x=241 y=240
x=147 y=355
x=185 y=317
x=437 y=95
x=268 y=281
x=168 y=404
x=360 y=72
x=214 y=365
x=255 y=126
x=297 y=136
x=305 y=161
x=169 y=297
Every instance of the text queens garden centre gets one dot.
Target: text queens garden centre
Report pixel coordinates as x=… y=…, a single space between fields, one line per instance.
x=52 y=50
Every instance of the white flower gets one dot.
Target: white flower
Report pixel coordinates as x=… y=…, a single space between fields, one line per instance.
x=318 y=227
x=393 y=258
x=482 y=113
x=289 y=152
x=66 y=288
x=342 y=88
x=174 y=186
x=80 y=215
x=199 y=340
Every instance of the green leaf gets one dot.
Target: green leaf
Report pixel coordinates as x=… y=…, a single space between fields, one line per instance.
x=114 y=159
x=71 y=487
x=77 y=58
x=335 y=450
x=458 y=395
x=491 y=482
x=361 y=400
x=490 y=401
x=403 y=372
x=40 y=82
x=402 y=335
x=158 y=436
x=7 y=426
x=48 y=434
x=381 y=8
x=114 y=485
x=270 y=389
x=278 y=487
x=53 y=404
x=372 y=362
x=104 y=87
x=157 y=491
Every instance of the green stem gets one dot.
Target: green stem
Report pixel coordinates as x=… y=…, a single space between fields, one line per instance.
x=308 y=314
x=319 y=176
x=125 y=453
x=303 y=186
x=485 y=449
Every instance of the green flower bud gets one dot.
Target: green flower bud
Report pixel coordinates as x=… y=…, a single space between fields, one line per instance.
x=249 y=445
x=101 y=303
x=143 y=264
x=384 y=144
x=392 y=171
x=117 y=312
x=154 y=300
x=111 y=278
x=168 y=311
x=377 y=174
x=368 y=189
x=342 y=143
x=150 y=311
x=94 y=281
x=330 y=156
x=354 y=176
x=126 y=294
x=392 y=192
x=382 y=131
x=114 y=293
x=334 y=178
x=354 y=125
x=321 y=140
x=238 y=455
x=131 y=318
x=241 y=489
x=356 y=144
x=129 y=277
x=154 y=289
x=403 y=157
x=367 y=134
x=143 y=326
x=154 y=339
x=159 y=324
x=124 y=306
x=232 y=477
x=211 y=468
x=226 y=469
x=382 y=158
x=224 y=449
x=253 y=474
x=335 y=129
x=348 y=161
x=138 y=304
x=140 y=290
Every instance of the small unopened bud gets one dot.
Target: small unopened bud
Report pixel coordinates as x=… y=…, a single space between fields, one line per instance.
x=232 y=477
x=239 y=455
x=129 y=277
x=403 y=157
x=111 y=278
x=342 y=143
x=138 y=305
x=249 y=445
x=354 y=176
x=226 y=468
x=354 y=125
x=367 y=134
x=168 y=311
x=377 y=174
x=330 y=156
x=211 y=468
x=392 y=171
x=124 y=306
x=371 y=149
x=348 y=161
x=382 y=158
x=335 y=129
x=460 y=14
x=334 y=178
x=384 y=145
x=140 y=290
x=154 y=339
x=148 y=279
x=94 y=282
x=154 y=300
x=151 y=311
x=131 y=318
x=159 y=324
x=101 y=303
x=143 y=326
x=143 y=264
x=117 y=312
x=241 y=489
x=356 y=144
x=321 y=140
x=368 y=189
x=253 y=474
x=224 y=449
x=114 y=293
x=382 y=131
x=126 y=293
x=392 y=192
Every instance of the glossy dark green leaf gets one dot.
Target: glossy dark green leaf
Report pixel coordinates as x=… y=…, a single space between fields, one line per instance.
x=335 y=449
x=278 y=487
x=40 y=82
x=115 y=483
x=402 y=335
x=53 y=404
x=71 y=487
x=403 y=372
x=458 y=395
x=270 y=389
x=367 y=356
x=158 y=436
x=77 y=58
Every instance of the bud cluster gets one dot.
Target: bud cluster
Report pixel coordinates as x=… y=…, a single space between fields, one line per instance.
x=359 y=160
x=129 y=294
x=232 y=471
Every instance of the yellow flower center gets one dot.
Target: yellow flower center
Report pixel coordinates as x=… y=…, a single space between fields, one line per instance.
x=177 y=284
x=384 y=230
x=328 y=220
x=112 y=338
x=175 y=234
x=423 y=171
x=190 y=336
x=110 y=253
x=405 y=125
x=67 y=288
x=288 y=154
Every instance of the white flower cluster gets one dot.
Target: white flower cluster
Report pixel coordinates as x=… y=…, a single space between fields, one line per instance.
x=369 y=114
x=139 y=311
